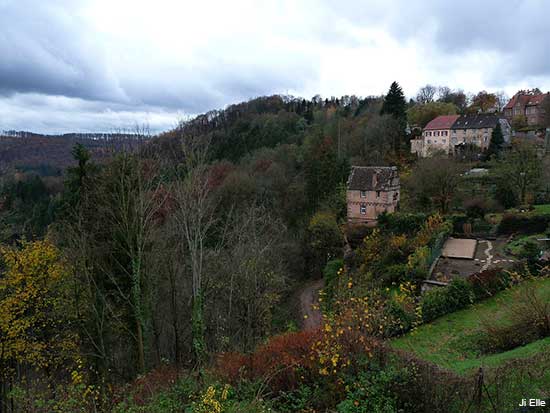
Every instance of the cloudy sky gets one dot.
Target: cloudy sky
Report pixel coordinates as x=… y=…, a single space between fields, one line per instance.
x=99 y=65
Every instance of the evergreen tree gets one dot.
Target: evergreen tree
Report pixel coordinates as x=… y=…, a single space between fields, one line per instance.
x=396 y=106
x=497 y=140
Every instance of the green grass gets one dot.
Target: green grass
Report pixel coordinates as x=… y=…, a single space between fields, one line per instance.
x=449 y=340
x=542 y=209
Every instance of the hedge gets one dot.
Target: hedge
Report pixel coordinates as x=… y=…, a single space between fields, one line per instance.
x=524 y=224
x=487 y=283
x=440 y=301
x=402 y=223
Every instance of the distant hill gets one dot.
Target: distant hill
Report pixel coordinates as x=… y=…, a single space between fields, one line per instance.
x=51 y=154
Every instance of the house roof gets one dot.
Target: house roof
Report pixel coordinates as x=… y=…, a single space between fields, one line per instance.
x=526 y=99
x=477 y=121
x=442 y=122
x=371 y=178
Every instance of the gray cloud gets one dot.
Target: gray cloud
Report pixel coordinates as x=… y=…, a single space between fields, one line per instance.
x=516 y=31
x=60 y=70
x=46 y=48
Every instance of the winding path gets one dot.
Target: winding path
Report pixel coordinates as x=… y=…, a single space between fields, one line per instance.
x=488 y=255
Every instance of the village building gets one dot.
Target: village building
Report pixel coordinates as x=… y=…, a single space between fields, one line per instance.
x=449 y=133
x=474 y=130
x=371 y=191
x=436 y=136
x=528 y=104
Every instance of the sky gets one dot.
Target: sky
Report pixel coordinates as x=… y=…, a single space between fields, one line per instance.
x=105 y=65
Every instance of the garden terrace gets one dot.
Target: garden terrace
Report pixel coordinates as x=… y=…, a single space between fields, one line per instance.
x=450 y=341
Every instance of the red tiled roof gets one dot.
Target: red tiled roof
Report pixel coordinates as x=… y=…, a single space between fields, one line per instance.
x=442 y=122
x=526 y=100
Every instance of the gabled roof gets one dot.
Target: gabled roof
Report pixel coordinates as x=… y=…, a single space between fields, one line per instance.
x=371 y=178
x=442 y=122
x=526 y=99
x=477 y=121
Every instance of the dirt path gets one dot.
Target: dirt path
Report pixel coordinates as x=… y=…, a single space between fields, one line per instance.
x=309 y=305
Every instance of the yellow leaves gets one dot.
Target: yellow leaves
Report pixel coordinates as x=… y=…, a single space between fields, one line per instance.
x=397 y=242
x=34 y=299
x=209 y=403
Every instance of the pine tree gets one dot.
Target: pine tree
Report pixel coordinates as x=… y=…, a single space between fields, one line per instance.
x=497 y=140
x=396 y=106
x=394 y=103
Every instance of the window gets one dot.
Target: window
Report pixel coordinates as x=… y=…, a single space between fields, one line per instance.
x=444 y=141
x=363 y=209
x=377 y=194
x=363 y=194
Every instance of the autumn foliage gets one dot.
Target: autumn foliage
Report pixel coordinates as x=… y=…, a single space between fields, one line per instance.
x=35 y=299
x=283 y=362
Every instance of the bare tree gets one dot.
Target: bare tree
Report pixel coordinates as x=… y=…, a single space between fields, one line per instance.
x=502 y=100
x=426 y=94
x=134 y=199
x=195 y=216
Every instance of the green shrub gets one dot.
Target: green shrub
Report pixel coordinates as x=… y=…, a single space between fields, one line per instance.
x=396 y=273
x=458 y=221
x=497 y=339
x=403 y=320
x=440 y=301
x=523 y=224
x=401 y=223
x=330 y=276
x=376 y=391
x=489 y=282
x=530 y=252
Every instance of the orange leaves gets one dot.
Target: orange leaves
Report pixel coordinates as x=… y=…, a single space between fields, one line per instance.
x=284 y=360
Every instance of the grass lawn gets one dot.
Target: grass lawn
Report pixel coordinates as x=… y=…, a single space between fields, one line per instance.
x=449 y=340
x=542 y=209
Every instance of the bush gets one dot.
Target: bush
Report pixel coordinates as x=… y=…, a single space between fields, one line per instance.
x=530 y=321
x=377 y=391
x=489 y=282
x=458 y=221
x=524 y=224
x=284 y=359
x=330 y=276
x=400 y=223
x=530 y=252
x=476 y=208
x=440 y=301
x=496 y=339
x=403 y=319
x=396 y=273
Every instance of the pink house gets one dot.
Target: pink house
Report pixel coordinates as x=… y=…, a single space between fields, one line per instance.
x=371 y=191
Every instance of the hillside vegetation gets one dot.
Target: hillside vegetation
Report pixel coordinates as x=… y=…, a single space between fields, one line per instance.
x=164 y=278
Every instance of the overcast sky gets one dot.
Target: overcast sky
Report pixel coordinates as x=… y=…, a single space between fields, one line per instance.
x=99 y=65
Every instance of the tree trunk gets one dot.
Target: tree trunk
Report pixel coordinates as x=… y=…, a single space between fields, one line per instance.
x=140 y=347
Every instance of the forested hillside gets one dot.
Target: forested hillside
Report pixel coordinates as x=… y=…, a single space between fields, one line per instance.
x=164 y=278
